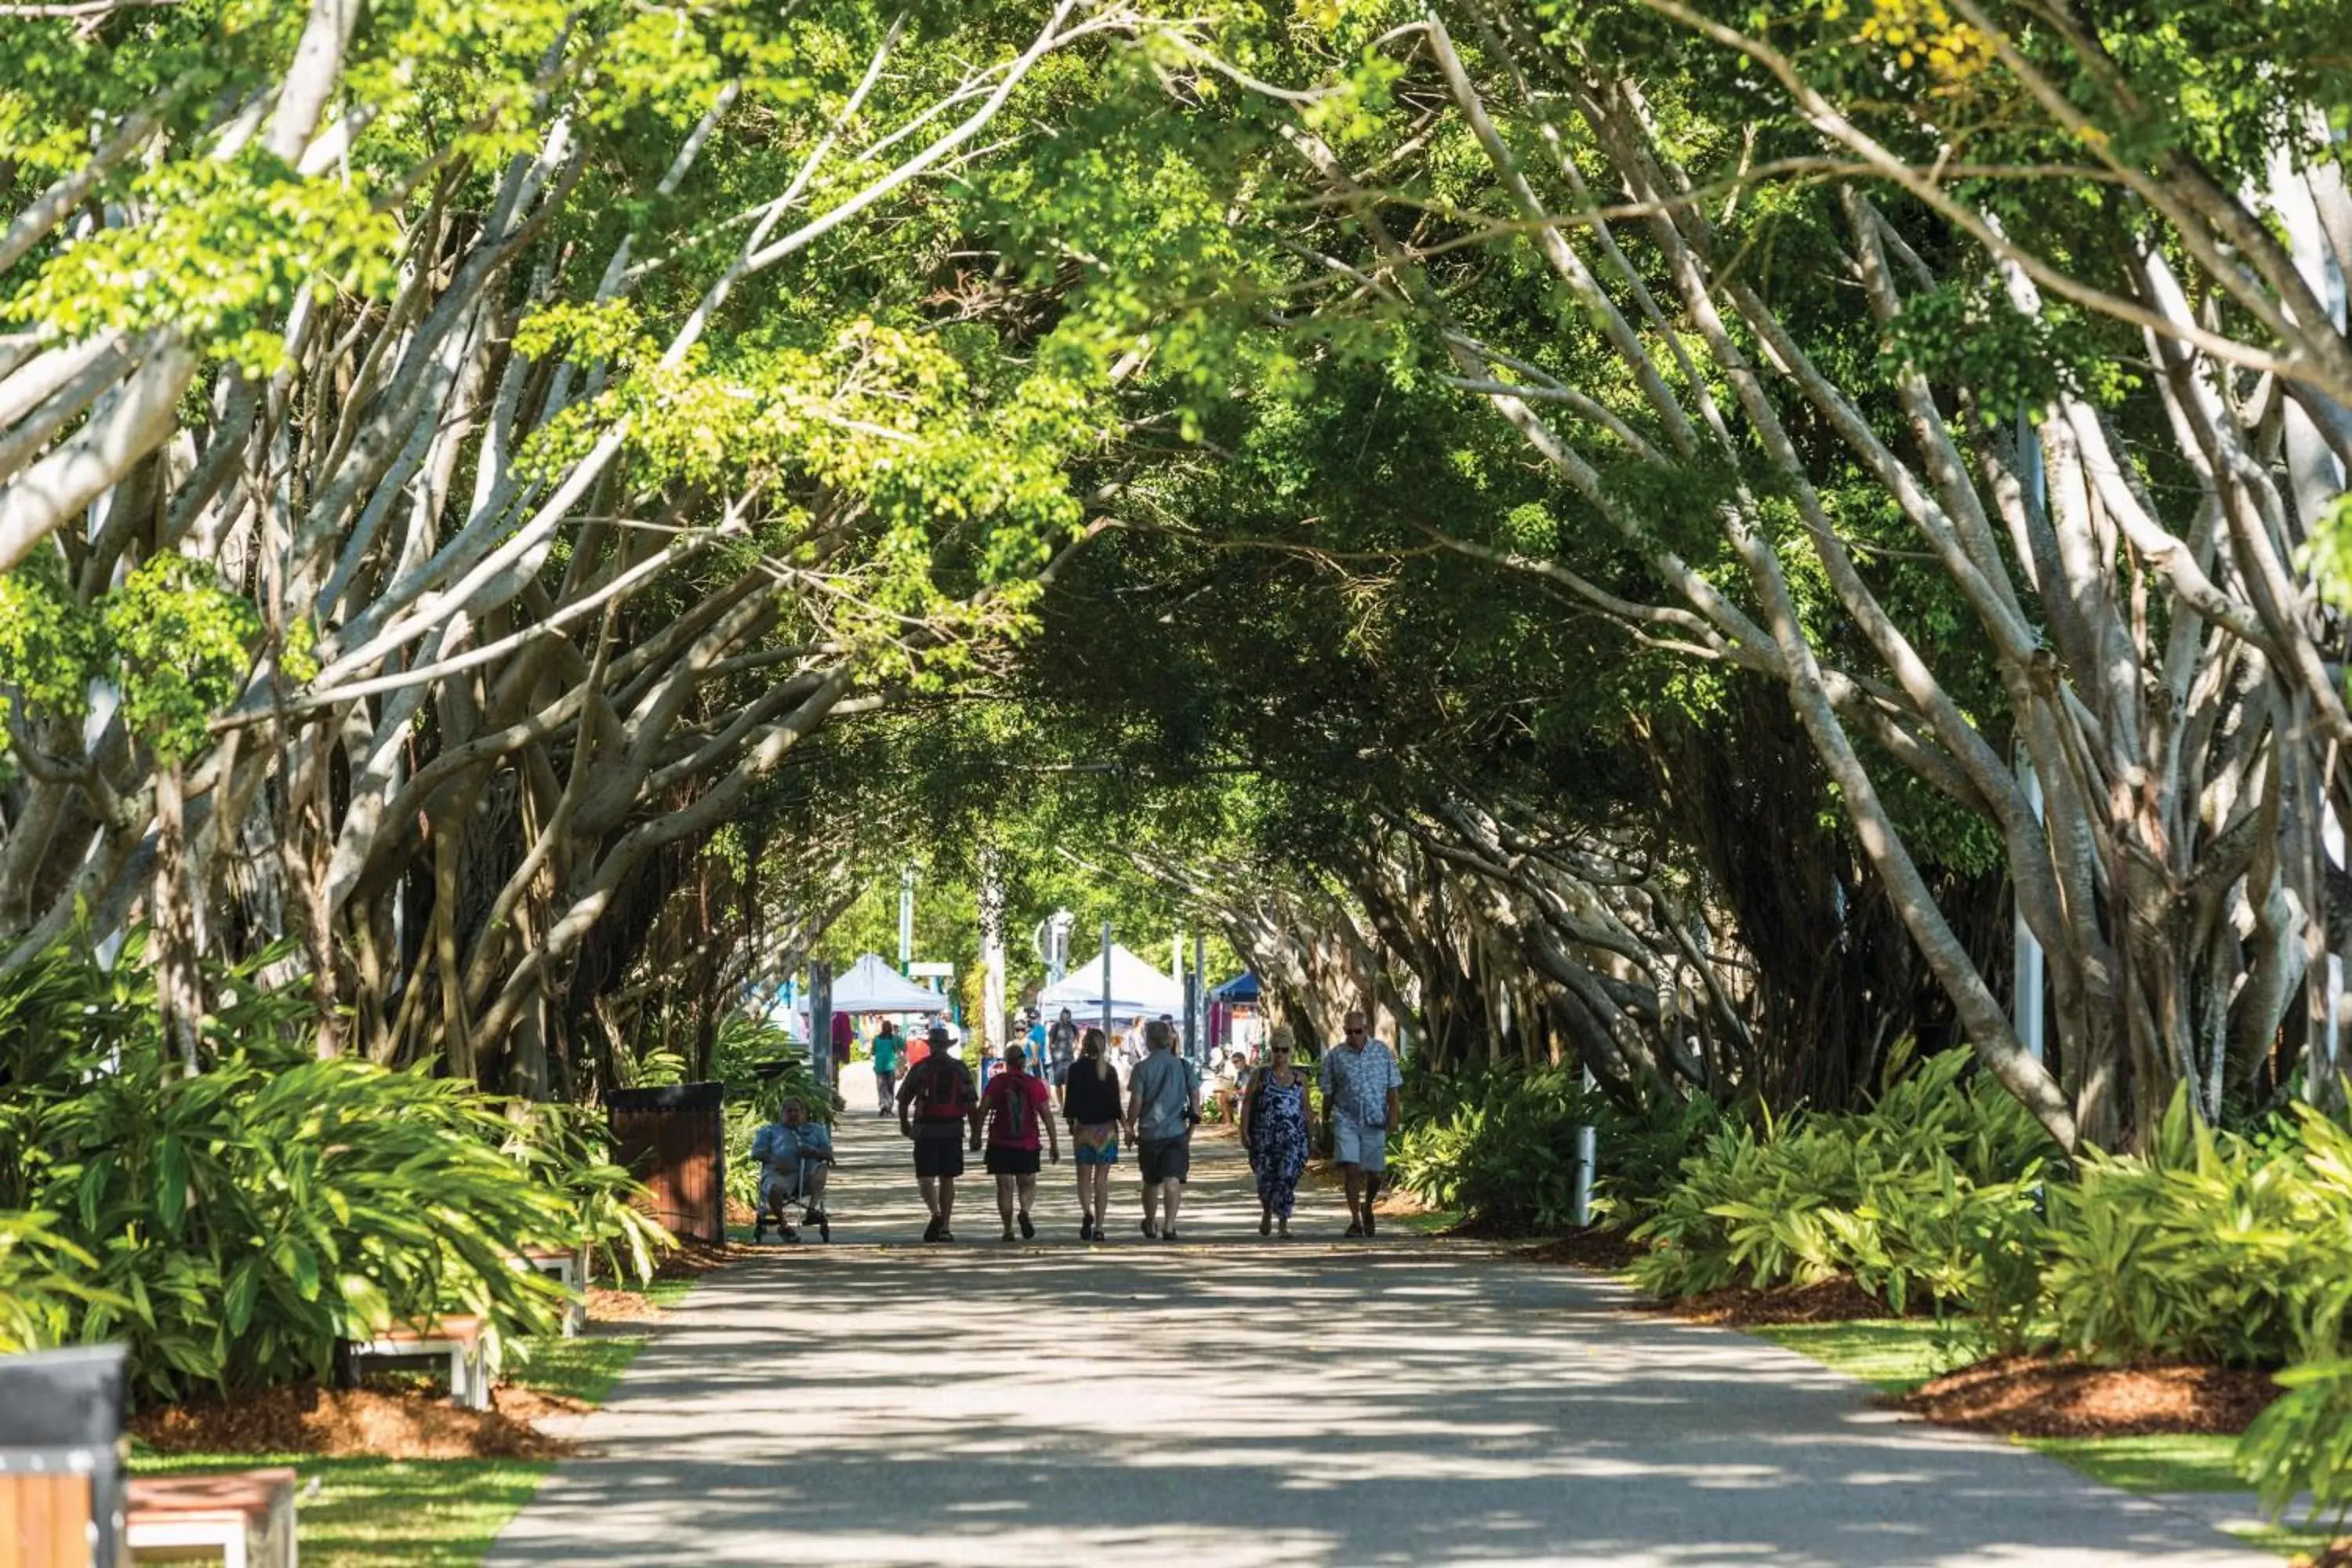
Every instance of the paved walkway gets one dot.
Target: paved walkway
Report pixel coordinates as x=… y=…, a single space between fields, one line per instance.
x=1233 y=1402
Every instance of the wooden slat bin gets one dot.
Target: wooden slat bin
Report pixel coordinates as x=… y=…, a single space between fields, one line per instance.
x=62 y=1458
x=673 y=1141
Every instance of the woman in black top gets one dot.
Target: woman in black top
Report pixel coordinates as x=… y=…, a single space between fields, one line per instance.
x=1090 y=1104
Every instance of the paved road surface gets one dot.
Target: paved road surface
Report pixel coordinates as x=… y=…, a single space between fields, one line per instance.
x=1232 y=1401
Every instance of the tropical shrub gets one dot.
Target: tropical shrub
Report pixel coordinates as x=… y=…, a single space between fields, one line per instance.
x=41 y=1282
x=1499 y=1144
x=2303 y=1443
x=232 y=1225
x=1924 y=1196
x=2213 y=1247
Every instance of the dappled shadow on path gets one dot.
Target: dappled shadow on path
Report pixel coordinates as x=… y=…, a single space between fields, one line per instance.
x=1238 y=1403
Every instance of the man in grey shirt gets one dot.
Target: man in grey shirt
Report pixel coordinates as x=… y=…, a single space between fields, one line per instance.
x=1163 y=1101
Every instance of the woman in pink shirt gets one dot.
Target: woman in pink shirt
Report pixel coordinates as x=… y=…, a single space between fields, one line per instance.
x=1013 y=1115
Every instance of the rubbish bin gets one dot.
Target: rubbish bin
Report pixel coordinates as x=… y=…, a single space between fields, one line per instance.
x=61 y=1456
x=674 y=1141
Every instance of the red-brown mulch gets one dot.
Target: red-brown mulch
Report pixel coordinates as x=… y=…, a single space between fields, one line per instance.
x=2048 y=1396
x=610 y=1306
x=1596 y=1247
x=1744 y=1306
x=385 y=1422
x=693 y=1259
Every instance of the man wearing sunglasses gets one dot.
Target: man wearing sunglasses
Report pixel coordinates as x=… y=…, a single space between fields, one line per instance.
x=1360 y=1079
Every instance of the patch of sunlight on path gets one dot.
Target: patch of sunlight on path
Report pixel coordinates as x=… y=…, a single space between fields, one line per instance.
x=1235 y=1403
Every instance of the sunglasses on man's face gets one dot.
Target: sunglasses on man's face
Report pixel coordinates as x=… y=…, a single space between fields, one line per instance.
x=1353 y=1033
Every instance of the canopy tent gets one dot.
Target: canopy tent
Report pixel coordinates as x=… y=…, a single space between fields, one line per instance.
x=870 y=985
x=1240 y=991
x=1136 y=989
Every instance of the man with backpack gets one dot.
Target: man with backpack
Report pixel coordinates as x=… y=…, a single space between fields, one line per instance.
x=935 y=1100
x=1012 y=1111
x=1163 y=1102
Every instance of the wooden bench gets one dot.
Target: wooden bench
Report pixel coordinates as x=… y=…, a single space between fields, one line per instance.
x=244 y=1517
x=458 y=1340
x=568 y=1267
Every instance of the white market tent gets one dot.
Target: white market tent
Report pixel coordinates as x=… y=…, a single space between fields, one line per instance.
x=1136 y=990
x=870 y=985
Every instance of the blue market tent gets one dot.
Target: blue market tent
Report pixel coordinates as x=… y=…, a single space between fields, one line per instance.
x=1241 y=990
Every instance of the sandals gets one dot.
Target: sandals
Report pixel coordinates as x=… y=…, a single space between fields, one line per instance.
x=1028 y=1228
x=1355 y=1227
x=1151 y=1230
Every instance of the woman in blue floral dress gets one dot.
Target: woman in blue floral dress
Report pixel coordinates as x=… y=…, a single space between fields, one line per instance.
x=1273 y=1131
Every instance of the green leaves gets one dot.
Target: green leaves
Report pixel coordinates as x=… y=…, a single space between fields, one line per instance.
x=174 y=643
x=216 y=251
x=2303 y=1443
x=183 y=644
x=232 y=1226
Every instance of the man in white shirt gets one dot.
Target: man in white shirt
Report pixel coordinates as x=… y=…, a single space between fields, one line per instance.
x=1360 y=1079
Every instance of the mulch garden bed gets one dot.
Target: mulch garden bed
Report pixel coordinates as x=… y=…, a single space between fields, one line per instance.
x=1596 y=1247
x=2049 y=1396
x=374 y=1421
x=610 y=1306
x=693 y=1259
x=1744 y=1306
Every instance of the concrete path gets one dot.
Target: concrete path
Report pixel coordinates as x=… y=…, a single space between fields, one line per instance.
x=1231 y=1402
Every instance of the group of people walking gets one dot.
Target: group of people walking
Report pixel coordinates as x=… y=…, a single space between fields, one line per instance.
x=1015 y=1122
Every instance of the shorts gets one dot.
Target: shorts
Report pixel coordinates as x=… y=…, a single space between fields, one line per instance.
x=939 y=1156
x=1005 y=1162
x=1095 y=1143
x=1353 y=1143
x=1164 y=1159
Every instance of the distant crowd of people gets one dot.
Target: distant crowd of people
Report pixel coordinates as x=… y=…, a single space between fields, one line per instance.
x=1013 y=1114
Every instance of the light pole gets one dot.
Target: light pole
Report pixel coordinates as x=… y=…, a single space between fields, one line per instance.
x=905 y=917
x=1105 y=984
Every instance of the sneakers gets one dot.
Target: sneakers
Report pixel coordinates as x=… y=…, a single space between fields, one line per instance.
x=1028 y=1228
